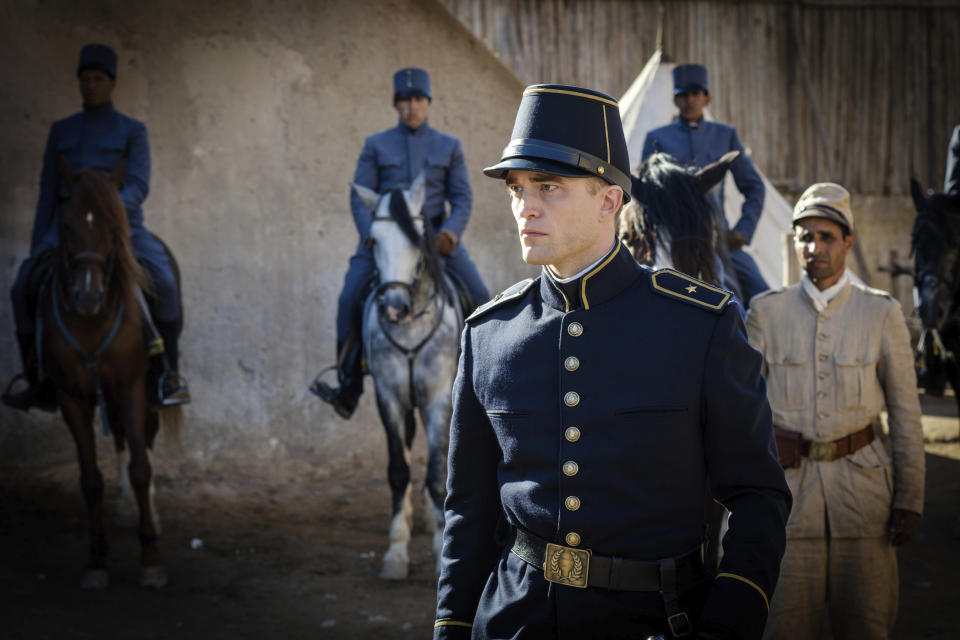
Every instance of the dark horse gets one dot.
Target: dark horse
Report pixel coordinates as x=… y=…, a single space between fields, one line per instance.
x=671 y=223
x=94 y=352
x=935 y=242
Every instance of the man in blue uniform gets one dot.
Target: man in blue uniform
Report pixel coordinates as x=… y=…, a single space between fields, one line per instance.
x=99 y=137
x=593 y=408
x=693 y=141
x=392 y=159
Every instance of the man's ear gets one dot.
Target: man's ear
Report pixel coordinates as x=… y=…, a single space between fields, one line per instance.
x=849 y=241
x=611 y=198
x=707 y=101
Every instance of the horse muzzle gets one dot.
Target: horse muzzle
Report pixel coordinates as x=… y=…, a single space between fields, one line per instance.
x=932 y=308
x=395 y=304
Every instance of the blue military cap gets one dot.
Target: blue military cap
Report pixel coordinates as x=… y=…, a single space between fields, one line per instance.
x=411 y=82
x=567 y=131
x=98 y=56
x=690 y=77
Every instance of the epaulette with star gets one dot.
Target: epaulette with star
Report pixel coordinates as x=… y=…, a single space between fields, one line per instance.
x=673 y=284
x=511 y=293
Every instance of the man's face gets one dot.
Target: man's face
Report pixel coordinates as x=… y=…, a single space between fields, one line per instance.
x=413 y=111
x=822 y=250
x=96 y=87
x=691 y=104
x=563 y=222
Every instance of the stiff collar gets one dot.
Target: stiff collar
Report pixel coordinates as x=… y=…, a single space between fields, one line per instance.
x=606 y=280
x=691 y=127
x=821 y=299
x=419 y=131
x=102 y=111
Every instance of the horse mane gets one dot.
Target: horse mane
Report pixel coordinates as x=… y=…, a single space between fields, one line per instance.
x=673 y=211
x=425 y=241
x=95 y=191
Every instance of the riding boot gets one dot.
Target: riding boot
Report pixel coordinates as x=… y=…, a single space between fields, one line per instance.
x=36 y=394
x=344 y=398
x=172 y=387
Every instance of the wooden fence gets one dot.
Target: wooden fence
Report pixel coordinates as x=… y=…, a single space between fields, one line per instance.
x=860 y=92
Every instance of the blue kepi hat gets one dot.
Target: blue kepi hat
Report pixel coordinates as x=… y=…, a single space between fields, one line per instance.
x=567 y=131
x=690 y=77
x=411 y=82
x=98 y=56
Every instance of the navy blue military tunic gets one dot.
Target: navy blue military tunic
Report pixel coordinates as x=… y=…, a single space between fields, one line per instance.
x=601 y=427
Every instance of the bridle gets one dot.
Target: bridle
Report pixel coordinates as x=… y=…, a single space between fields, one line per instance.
x=436 y=301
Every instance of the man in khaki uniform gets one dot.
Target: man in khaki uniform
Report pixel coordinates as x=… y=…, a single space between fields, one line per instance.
x=835 y=354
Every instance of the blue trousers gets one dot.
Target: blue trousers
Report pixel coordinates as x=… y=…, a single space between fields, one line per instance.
x=362 y=269
x=148 y=251
x=748 y=273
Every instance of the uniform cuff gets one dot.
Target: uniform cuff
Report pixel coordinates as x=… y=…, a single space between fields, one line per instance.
x=448 y=628
x=737 y=603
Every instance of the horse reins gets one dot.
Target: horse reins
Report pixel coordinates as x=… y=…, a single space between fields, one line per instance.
x=410 y=352
x=89 y=359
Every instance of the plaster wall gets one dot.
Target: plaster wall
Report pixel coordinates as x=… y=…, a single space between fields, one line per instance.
x=256 y=113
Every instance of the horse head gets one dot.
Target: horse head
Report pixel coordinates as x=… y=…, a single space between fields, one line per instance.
x=94 y=238
x=402 y=244
x=670 y=210
x=936 y=254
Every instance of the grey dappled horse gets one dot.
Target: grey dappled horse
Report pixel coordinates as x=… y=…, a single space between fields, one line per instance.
x=411 y=339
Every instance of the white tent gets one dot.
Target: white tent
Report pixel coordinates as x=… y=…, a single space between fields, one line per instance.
x=648 y=104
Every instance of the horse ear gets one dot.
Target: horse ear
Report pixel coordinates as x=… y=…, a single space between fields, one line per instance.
x=118 y=175
x=919 y=199
x=713 y=173
x=66 y=171
x=710 y=175
x=368 y=197
x=416 y=193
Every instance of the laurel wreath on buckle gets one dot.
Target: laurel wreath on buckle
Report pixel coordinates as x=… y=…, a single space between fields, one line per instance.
x=575 y=573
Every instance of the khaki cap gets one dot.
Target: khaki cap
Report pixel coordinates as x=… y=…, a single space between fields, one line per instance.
x=825 y=200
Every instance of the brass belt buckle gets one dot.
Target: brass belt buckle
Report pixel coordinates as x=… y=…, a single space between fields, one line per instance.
x=565 y=565
x=823 y=451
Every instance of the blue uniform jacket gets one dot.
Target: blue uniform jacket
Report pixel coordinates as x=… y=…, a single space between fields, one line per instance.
x=669 y=399
x=96 y=138
x=394 y=158
x=699 y=146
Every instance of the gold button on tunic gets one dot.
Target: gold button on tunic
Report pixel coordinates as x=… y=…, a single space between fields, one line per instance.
x=572 y=503
x=572 y=538
x=570 y=468
x=575 y=329
x=572 y=363
x=571 y=399
x=572 y=434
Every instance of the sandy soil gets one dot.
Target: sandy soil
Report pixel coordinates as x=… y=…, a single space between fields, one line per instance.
x=298 y=558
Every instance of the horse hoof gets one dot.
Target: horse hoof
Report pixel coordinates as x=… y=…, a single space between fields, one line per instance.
x=394 y=572
x=95 y=579
x=153 y=577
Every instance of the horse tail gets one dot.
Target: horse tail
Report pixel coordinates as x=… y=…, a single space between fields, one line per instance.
x=172 y=418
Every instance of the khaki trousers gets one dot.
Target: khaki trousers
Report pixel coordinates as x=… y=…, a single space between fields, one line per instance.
x=851 y=580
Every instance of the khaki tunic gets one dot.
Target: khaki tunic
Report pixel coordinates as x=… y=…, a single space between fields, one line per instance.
x=828 y=375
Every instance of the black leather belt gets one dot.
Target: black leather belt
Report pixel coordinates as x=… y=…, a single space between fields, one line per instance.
x=581 y=568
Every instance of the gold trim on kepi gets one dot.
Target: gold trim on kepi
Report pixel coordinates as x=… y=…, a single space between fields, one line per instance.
x=566 y=565
x=672 y=283
x=531 y=90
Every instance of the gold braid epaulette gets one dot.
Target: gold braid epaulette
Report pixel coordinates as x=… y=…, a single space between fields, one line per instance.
x=511 y=293
x=673 y=284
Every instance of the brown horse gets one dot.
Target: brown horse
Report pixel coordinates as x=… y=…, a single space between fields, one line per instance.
x=94 y=351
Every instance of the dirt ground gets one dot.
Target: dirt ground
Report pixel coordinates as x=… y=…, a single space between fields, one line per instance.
x=298 y=558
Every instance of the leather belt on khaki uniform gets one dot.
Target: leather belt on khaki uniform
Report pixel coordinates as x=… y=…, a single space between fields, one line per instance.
x=791 y=446
x=581 y=568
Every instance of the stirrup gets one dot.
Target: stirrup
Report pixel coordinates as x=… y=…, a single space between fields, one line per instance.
x=178 y=394
x=323 y=390
x=33 y=397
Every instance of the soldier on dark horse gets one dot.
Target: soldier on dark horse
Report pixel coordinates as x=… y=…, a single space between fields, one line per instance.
x=97 y=138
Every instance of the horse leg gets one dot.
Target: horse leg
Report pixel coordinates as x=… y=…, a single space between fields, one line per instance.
x=437 y=425
x=152 y=570
x=126 y=515
x=396 y=561
x=79 y=419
